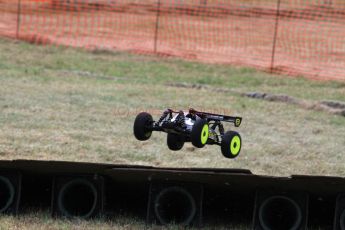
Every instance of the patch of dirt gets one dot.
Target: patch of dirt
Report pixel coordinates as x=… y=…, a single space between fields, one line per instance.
x=332 y=107
x=274 y=97
x=334 y=104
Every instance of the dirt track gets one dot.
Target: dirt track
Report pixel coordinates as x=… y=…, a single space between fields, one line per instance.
x=310 y=41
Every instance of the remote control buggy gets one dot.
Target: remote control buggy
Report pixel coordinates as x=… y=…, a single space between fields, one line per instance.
x=200 y=128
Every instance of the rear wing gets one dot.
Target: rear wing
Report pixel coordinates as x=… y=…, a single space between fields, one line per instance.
x=217 y=117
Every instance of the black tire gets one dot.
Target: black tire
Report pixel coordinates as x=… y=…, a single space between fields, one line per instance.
x=199 y=134
x=175 y=205
x=174 y=141
x=7 y=194
x=142 y=124
x=78 y=198
x=231 y=144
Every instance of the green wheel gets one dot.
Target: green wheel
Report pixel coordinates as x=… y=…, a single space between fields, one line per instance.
x=174 y=141
x=231 y=144
x=199 y=134
x=142 y=124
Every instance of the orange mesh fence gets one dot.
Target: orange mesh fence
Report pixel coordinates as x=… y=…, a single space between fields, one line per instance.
x=297 y=37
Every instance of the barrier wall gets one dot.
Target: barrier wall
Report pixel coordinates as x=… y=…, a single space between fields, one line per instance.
x=218 y=198
x=296 y=37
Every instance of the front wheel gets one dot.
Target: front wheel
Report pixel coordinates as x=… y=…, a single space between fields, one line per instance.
x=199 y=134
x=142 y=126
x=174 y=141
x=231 y=144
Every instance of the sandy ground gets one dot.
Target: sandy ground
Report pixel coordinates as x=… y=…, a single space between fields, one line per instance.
x=310 y=40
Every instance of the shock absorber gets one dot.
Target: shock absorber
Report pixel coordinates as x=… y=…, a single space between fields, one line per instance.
x=221 y=128
x=180 y=119
x=164 y=115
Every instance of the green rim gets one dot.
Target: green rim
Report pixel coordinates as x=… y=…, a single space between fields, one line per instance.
x=204 y=134
x=235 y=145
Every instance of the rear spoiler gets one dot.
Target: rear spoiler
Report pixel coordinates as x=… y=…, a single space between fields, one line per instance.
x=218 y=117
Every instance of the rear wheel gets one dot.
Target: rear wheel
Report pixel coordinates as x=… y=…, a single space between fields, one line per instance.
x=199 y=134
x=231 y=144
x=174 y=141
x=142 y=126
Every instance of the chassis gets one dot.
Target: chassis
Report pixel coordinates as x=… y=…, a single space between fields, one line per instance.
x=200 y=128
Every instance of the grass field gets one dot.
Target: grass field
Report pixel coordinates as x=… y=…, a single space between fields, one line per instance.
x=66 y=104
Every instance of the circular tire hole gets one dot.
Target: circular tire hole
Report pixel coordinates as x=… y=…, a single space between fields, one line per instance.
x=175 y=205
x=280 y=212
x=6 y=194
x=77 y=198
x=342 y=220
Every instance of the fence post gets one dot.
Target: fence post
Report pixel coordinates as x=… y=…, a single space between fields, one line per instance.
x=275 y=36
x=19 y=9
x=157 y=26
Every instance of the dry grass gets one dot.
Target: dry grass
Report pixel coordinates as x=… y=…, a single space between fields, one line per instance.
x=43 y=221
x=63 y=104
